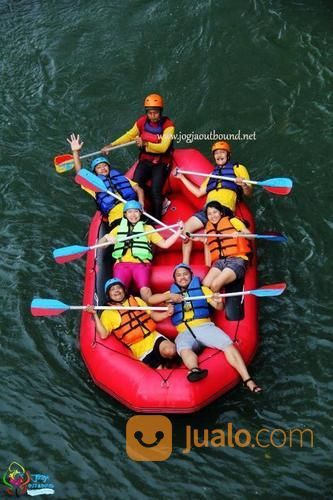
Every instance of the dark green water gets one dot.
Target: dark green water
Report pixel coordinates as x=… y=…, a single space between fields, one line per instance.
x=258 y=66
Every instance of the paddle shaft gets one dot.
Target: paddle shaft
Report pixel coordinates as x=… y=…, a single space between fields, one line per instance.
x=120 y=308
x=232 y=294
x=98 y=245
x=238 y=235
x=222 y=177
x=145 y=213
x=97 y=152
x=92 y=182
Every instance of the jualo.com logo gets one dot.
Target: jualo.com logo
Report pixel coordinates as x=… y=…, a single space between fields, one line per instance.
x=149 y=438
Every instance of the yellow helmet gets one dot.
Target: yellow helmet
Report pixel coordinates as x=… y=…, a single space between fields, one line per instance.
x=154 y=101
x=221 y=145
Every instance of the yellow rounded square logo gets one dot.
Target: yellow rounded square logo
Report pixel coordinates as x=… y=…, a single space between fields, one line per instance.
x=149 y=438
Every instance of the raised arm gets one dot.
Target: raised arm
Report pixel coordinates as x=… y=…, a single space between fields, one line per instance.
x=76 y=145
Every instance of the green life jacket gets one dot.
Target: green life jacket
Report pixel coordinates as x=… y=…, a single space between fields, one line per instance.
x=140 y=247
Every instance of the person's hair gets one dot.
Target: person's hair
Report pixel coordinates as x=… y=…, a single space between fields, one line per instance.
x=225 y=211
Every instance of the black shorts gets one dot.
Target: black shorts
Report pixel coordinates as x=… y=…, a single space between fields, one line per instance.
x=154 y=358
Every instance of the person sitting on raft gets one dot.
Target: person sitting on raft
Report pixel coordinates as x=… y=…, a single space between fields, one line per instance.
x=153 y=133
x=133 y=257
x=225 y=192
x=136 y=329
x=116 y=182
x=228 y=256
x=195 y=328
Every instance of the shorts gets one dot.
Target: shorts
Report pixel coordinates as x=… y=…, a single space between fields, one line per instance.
x=236 y=264
x=139 y=272
x=154 y=358
x=206 y=335
x=201 y=215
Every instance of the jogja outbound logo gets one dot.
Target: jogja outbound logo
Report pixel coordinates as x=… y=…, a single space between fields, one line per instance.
x=19 y=482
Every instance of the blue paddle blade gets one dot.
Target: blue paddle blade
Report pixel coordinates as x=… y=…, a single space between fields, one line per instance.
x=272 y=237
x=273 y=290
x=278 y=182
x=90 y=181
x=47 y=307
x=66 y=254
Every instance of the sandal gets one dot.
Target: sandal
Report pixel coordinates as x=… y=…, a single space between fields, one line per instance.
x=196 y=374
x=255 y=389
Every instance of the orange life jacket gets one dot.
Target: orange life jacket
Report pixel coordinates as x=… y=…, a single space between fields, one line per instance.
x=134 y=325
x=225 y=247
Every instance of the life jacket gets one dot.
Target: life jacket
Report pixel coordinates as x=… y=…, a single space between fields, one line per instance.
x=225 y=247
x=134 y=325
x=117 y=183
x=227 y=171
x=200 y=307
x=140 y=247
x=150 y=133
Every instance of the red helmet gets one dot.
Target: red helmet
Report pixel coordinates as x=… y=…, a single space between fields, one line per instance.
x=221 y=145
x=154 y=101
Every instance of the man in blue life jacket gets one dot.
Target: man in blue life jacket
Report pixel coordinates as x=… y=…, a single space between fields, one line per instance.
x=111 y=208
x=195 y=328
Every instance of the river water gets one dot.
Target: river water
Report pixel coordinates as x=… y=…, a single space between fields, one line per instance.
x=260 y=67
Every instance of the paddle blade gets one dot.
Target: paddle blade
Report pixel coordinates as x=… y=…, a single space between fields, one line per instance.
x=280 y=185
x=273 y=236
x=63 y=163
x=272 y=290
x=90 y=181
x=67 y=254
x=47 y=307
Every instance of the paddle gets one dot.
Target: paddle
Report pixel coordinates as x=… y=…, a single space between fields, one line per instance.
x=65 y=162
x=91 y=181
x=272 y=290
x=280 y=185
x=265 y=236
x=52 y=307
x=67 y=254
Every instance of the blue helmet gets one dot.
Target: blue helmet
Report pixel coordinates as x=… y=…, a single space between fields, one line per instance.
x=133 y=204
x=113 y=281
x=97 y=161
x=186 y=266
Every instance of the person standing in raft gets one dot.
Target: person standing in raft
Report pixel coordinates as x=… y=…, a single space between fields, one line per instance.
x=195 y=328
x=136 y=329
x=228 y=256
x=116 y=182
x=153 y=133
x=133 y=257
x=225 y=192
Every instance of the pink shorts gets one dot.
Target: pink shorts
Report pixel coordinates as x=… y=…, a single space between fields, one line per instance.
x=127 y=272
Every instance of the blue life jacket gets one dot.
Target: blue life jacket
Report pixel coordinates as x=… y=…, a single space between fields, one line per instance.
x=228 y=171
x=154 y=130
x=118 y=184
x=200 y=307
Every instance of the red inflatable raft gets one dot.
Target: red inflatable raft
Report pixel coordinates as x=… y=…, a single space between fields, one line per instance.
x=112 y=366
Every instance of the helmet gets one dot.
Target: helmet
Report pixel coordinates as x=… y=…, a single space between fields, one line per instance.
x=97 y=161
x=133 y=204
x=221 y=145
x=186 y=266
x=113 y=281
x=154 y=101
